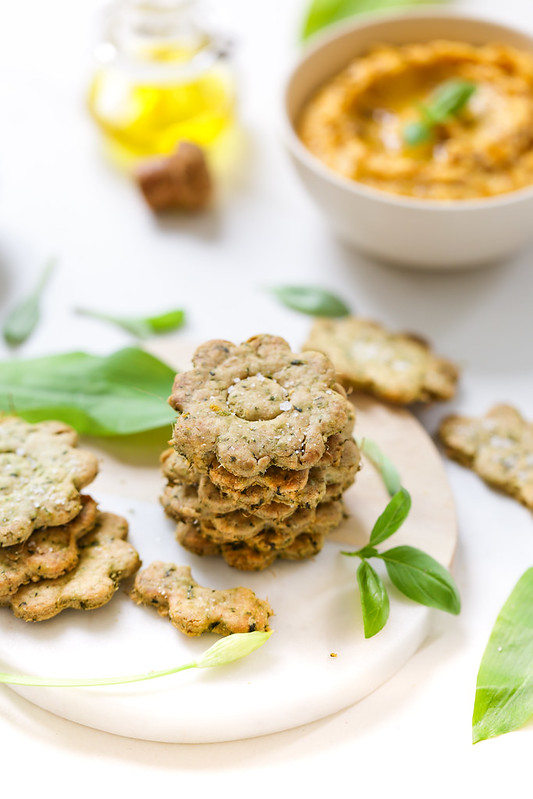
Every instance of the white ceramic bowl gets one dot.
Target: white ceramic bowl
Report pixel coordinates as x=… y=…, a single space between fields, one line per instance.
x=425 y=234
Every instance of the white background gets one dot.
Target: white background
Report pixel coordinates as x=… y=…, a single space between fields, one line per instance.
x=58 y=195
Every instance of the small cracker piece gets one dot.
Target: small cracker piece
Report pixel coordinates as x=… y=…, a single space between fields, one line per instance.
x=497 y=446
x=256 y=405
x=105 y=559
x=194 y=609
x=47 y=553
x=396 y=367
x=41 y=475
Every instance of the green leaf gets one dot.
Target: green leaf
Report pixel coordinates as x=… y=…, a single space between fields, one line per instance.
x=374 y=599
x=322 y=13
x=416 y=133
x=447 y=101
x=118 y=394
x=392 y=517
x=504 y=690
x=141 y=327
x=232 y=647
x=388 y=471
x=238 y=645
x=311 y=300
x=421 y=578
x=365 y=552
x=23 y=319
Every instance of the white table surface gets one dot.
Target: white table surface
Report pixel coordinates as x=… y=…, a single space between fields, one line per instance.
x=59 y=196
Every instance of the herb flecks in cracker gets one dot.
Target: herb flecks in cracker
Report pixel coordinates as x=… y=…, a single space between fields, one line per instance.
x=256 y=405
x=47 y=553
x=497 y=446
x=193 y=609
x=105 y=559
x=41 y=475
x=396 y=367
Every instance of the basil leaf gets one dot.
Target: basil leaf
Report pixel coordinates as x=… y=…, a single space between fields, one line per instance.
x=422 y=578
x=141 y=327
x=504 y=690
x=311 y=300
x=374 y=599
x=322 y=13
x=119 y=394
x=392 y=517
x=416 y=133
x=365 y=552
x=166 y=322
x=447 y=100
x=388 y=471
x=23 y=319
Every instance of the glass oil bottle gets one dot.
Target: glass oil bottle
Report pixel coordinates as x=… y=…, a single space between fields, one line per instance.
x=161 y=77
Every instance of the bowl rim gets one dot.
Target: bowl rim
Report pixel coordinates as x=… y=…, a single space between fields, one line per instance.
x=312 y=162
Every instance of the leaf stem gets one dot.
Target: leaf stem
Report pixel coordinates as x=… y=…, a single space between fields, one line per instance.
x=59 y=682
x=221 y=653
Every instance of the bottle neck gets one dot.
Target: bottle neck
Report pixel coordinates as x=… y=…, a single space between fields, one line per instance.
x=159 y=39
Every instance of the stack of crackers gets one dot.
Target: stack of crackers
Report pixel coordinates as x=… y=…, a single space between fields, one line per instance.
x=57 y=550
x=262 y=452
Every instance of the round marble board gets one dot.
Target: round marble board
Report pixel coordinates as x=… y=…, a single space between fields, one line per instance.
x=316 y=662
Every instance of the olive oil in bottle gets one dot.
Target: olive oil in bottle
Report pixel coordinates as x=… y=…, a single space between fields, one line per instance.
x=161 y=77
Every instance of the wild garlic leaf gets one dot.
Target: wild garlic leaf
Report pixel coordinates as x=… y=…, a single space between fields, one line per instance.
x=322 y=13
x=231 y=648
x=447 y=101
x=421 y=578
x=119 y=394
x=504 y=690
x=140 y=326
x=23 y=319
x=374 y=599
x=392 y=517
x=221 y=653
x=311 y=300
x=388 y=471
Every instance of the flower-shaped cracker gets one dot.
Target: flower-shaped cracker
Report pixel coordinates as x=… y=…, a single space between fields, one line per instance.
x=47 y=553
x=257 y=404
x=498 y=446
x=105 y=558
x=41 y=474
x=397 y=367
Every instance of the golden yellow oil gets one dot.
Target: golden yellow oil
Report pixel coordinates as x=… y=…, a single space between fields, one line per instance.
x=148 y=116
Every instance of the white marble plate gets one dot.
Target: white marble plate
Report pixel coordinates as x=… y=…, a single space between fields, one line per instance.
x=317 y=661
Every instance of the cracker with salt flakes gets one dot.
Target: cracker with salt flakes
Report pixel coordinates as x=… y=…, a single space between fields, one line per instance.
x=397 y=367
x=47 y=553
x=42 y=472
x=497 y=446
x=105 y=559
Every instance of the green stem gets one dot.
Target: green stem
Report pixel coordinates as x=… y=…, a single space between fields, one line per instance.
x=58 y=682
